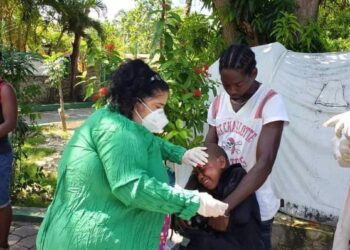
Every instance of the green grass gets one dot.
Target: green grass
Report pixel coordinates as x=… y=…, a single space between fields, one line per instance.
x=32 y=181
x=36 y=153
x=55 y=131
x=35 y=140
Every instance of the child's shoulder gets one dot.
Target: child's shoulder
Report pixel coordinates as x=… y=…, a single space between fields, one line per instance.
x=237 y=169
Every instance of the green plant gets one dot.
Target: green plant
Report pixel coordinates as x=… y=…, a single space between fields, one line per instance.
x=312 y=38
x=286 y=30
x=102 y=61
x=200 y=37
x=16 y=67
x=92 y=90
x=188 y=102
x=57 y=70
x=180 y=65
x=34 y=185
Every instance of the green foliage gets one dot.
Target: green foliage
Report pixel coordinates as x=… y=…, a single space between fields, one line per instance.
x=286 y=30
x=313 y=38
x=16 y=67
x=190 y=86
x=307 y=38
x=102 y=62
x=200 y=37
x=135 y=26
x=334 y=18
x=57 y=70
x=188 y=103
x=254 y=19
x=33 y=186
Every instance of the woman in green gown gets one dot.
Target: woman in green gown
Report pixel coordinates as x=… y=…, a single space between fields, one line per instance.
x=112 y=188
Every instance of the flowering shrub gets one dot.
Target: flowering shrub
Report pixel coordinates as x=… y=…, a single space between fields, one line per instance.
x=188 y=102
x=103 y=60
x=186 y=48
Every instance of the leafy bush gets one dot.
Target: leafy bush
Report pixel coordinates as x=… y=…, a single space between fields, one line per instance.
x=15 y=67
x=183 y=62
x=286 y=30
x=307 y=38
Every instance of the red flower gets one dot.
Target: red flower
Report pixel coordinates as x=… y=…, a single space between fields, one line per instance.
x=206 y=67
x=103 y=91
x=94 y=98
x=110 y=47
x=198 y=70
x=197 y=93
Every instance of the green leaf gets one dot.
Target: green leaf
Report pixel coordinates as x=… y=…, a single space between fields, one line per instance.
x=89 y=91
x=183 y=134
x=179 y=124
x=170 y=135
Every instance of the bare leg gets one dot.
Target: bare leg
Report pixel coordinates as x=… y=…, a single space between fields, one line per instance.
x=5 y=223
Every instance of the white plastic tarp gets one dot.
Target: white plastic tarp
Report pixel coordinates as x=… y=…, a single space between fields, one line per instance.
x=314 y=87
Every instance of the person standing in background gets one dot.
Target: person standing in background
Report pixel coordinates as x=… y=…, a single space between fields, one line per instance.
x=247 y=121
x=8 y=121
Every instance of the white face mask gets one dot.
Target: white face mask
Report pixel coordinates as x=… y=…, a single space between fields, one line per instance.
x=155 y=121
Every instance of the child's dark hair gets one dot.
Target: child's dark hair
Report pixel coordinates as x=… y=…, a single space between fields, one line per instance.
x=239 y=57
x=215 y=151
x=134 y=80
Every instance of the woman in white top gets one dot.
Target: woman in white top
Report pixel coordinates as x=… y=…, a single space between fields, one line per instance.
x=247 y=121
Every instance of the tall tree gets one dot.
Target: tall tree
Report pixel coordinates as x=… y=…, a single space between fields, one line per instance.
x=188 y=6
x=224 y=9
x=307 y=10
x=136 y=26
x=74 y=17
x=250 y=21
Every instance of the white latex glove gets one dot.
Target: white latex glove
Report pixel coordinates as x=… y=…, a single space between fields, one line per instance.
x=195 y=156
x=210 y=207
x=341 y=124
x=341 y=150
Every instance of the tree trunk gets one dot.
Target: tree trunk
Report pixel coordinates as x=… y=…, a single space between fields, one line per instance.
x=228 y=28
x=73 y=66
x=188 y=6
x=61 y=109
x=162 y=18
x=307 y=10
x=26 y=36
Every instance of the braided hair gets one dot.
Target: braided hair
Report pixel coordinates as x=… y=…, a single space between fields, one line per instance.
x=238 y=57
x=134 y=80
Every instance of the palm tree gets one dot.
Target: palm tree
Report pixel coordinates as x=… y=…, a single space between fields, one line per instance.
x=74 y=17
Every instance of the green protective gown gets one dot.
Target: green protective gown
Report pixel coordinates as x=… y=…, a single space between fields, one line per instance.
x=112 y=190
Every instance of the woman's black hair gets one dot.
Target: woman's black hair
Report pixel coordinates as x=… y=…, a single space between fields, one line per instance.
x=134 y=80
x=238 y=57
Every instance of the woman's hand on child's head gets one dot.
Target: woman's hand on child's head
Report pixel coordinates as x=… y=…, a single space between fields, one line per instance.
x=195 y=156
x=219 y=223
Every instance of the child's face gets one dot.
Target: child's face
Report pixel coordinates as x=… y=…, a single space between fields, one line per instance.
x=209 y=175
